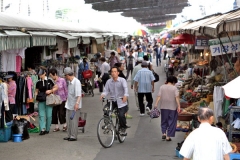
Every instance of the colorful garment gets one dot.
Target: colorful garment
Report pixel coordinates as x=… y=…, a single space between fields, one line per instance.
x=62 y=88
x=12 y=87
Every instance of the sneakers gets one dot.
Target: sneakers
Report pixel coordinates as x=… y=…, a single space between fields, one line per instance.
x=128 y=116
x=142 y=114
x=148 y=110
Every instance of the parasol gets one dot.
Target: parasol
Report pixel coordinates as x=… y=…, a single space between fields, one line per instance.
x=140 y=32
x=183 y=38
x=231 y=90
x=166 y=35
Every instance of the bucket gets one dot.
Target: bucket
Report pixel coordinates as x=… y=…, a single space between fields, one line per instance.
x=17 y=138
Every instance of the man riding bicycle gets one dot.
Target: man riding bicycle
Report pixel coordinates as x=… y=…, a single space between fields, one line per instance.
x=117 y=87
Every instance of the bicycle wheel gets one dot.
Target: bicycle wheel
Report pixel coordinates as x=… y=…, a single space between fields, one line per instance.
x=105 y=132
x=121 y=136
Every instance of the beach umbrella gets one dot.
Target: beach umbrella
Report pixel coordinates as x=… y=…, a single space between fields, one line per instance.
x=183 y=38
x=166 y=35
x=230 y=88
x=140 y=32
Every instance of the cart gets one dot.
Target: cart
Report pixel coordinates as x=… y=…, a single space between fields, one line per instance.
x=82 y=121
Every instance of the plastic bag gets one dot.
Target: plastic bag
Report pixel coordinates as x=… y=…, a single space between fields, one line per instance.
x=20 y=127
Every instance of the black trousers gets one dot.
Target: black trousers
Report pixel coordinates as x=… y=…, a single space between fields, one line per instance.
x=104 y=81
x=149 y=101
x=31 y=108
x=59 y=112
x=121 y=114
x=165 y=53
x=9 y=113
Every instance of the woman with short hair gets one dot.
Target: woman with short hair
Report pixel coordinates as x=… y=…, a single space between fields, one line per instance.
x=44 y=87
x=168 y=96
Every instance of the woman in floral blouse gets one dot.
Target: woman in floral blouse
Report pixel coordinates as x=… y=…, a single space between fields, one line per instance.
x=59 y=112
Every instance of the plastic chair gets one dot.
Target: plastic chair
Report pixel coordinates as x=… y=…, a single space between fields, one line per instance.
x=234 y=156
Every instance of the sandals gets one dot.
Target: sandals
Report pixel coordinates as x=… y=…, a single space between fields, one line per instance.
x=169 y=139
x=56 y=130
x=164 y=137
x=64 y=129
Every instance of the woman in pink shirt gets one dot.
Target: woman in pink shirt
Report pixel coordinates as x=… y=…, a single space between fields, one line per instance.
x=12 y=87
x=59 y=112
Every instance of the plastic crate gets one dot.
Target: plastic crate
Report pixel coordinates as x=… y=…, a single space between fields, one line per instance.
x=5 y=133
x=178 y=154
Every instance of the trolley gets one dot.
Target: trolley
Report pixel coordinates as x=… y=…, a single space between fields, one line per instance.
x=82 y=121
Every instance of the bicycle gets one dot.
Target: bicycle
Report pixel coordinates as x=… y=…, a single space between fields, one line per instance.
x=107 y=132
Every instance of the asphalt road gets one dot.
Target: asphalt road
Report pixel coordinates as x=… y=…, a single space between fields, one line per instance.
x=143 y=141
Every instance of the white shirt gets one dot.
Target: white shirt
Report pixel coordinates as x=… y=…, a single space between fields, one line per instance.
x=206 y=143
x=74 y=91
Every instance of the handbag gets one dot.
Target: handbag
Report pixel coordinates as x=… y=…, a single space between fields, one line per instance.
x=156 y=76
x=41 y=97
x=53 y=100
x=155 y=113
x=29 y=100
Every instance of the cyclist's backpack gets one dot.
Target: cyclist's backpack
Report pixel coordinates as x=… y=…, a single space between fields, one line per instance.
x=155 y=113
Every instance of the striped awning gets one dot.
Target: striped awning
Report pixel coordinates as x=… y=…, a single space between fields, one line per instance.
x=72 y=41
x=3 y=40
x=17 y=39
x=42 y=39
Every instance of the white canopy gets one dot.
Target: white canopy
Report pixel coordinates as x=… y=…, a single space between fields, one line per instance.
x=231 y=89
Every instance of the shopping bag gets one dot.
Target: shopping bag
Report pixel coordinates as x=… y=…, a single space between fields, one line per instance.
x=53 y=100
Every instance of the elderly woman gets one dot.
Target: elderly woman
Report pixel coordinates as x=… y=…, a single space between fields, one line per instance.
x=170 y=107
x=44 y=87
x=59 y=112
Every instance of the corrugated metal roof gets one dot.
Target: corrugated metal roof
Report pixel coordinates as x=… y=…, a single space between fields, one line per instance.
x=15 y=33
x=15 y=22
x=42 y=34
x=64 y=35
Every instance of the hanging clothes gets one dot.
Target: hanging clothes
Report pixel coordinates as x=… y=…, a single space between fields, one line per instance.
x=18 y=63
x=218 y=96
x=8 y=59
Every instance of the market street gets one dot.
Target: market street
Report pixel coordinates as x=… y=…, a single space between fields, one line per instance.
x=143 y=140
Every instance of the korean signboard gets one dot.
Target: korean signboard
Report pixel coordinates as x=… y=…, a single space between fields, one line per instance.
x=217 y=50
x=201 y=43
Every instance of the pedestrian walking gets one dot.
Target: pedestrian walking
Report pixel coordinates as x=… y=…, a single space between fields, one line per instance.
x=150 y=52
x=206 y=142
x=98 y=65
x=120 y=68
x=59 y=112
x=150 y=65
x=83 y=66
x=113 y=59
x=140 y=52
x=116 y=87
x=104 y=71
x=158 y=51
x=73 y=104
x=130 y=63
x=44 y=87
x=164 y=50
x=168 y=96
x=144 y=85
x=135 y=70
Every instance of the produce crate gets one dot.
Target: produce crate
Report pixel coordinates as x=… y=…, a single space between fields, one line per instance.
x=178 y=154
x=5 y=133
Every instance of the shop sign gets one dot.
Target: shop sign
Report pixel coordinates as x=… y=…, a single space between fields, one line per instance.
x=201 y=43
x=224 y=40
x=217 y=50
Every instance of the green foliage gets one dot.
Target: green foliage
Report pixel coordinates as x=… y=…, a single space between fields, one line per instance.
x=153 y=31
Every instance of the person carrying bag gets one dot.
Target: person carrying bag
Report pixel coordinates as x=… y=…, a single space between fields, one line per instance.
x=41 y=92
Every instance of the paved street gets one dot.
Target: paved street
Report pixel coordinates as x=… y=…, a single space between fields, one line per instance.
x=143 y=141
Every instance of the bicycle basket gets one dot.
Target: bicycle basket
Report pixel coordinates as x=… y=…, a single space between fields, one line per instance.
x=106 y=110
